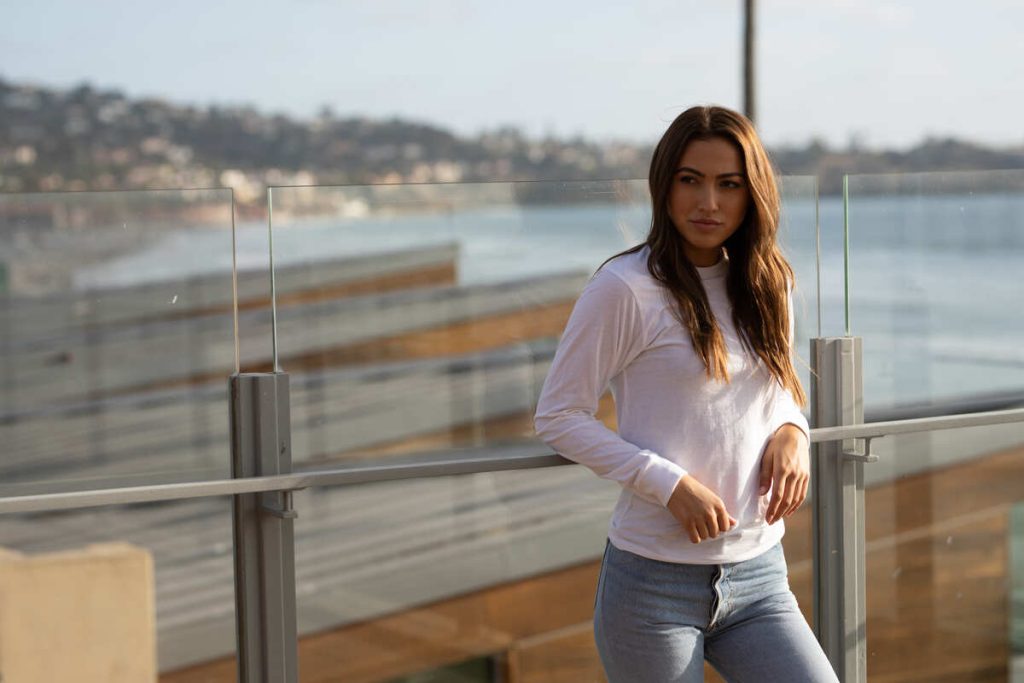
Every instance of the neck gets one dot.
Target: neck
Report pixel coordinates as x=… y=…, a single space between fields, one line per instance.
x=705 y=259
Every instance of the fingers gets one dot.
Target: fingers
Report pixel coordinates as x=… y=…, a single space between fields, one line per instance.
x=725 y=522
x=789 y=494
x=786 y=460
x=782 y=498
x=709 y=519
x=801 y=496
x=716 y=522
x=796 y=500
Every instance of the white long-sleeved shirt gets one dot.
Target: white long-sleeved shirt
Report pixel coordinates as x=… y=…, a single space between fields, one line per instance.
x=672 y=420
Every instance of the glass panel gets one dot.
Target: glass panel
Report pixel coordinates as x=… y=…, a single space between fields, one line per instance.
x=939 y=554
x=132 y=589
x=401 y=578
x=116 y=324
x=419 y=317
x=831 y=271
x=935 y=286
x=417 y=322
x=934 y=291
x=798 y=237
x=390 y=294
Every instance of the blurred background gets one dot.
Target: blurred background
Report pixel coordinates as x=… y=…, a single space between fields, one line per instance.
x=118 y=96
x=429 y=186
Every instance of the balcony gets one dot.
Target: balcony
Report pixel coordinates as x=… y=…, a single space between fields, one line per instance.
x=416 y=324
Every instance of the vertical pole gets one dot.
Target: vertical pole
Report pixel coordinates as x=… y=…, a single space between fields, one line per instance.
x=838 y=521
x=264 y=544
x=749 y=44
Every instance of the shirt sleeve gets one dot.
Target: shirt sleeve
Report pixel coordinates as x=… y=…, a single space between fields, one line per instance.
x=786 y=409
x=605 y=332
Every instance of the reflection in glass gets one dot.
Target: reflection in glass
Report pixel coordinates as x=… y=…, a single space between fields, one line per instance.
x=117 y=335
x=935 y=286
x=400 y=578
x=935 y=291
x=939 y=554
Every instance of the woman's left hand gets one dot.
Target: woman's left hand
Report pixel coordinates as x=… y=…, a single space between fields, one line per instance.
x=786 y=467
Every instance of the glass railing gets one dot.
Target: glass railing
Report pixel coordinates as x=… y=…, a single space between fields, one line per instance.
x=429 y=312
x=116 y=319
x=935 y=291
x=419 y=322
x=934 y=284
x=401 y=578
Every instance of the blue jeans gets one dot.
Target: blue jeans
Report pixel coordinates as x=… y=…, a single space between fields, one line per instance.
x=656 y=622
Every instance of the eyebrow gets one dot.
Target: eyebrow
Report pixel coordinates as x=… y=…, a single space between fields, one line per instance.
x=698 y=173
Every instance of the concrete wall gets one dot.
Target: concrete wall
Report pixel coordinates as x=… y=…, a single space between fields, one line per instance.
x=83 y=615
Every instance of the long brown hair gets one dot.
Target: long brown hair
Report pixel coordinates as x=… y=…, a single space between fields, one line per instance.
x=759 y=276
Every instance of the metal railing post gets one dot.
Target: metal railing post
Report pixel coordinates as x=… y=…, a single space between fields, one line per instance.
x=264 y=545
x=838 y=513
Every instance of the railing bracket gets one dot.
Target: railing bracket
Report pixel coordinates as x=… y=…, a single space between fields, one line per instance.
x=287 y=509
x=866 y=456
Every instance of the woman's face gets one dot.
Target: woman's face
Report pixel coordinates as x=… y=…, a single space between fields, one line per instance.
x=708 y=198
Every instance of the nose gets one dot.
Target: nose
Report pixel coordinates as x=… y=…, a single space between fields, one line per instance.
x=708 y=201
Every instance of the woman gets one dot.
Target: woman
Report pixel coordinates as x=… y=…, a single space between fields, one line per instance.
x=693 y=331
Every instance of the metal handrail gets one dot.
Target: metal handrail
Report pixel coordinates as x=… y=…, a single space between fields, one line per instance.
x=365 y=474
x=921 y=424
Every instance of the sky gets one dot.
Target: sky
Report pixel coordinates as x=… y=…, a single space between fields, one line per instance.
x=888 y=74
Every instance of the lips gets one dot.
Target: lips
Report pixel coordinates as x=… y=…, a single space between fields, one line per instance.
x=705 y=225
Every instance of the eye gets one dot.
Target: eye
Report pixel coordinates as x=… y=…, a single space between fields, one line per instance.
x=731 y=184
x=688 y=179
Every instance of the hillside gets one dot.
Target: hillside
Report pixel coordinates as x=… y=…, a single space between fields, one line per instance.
x=87 y=138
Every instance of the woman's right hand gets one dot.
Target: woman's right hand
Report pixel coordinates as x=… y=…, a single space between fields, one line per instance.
x=699 y=510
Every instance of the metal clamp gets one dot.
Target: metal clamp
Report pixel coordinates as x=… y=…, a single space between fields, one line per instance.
x=287 y=509
x=866 y=456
